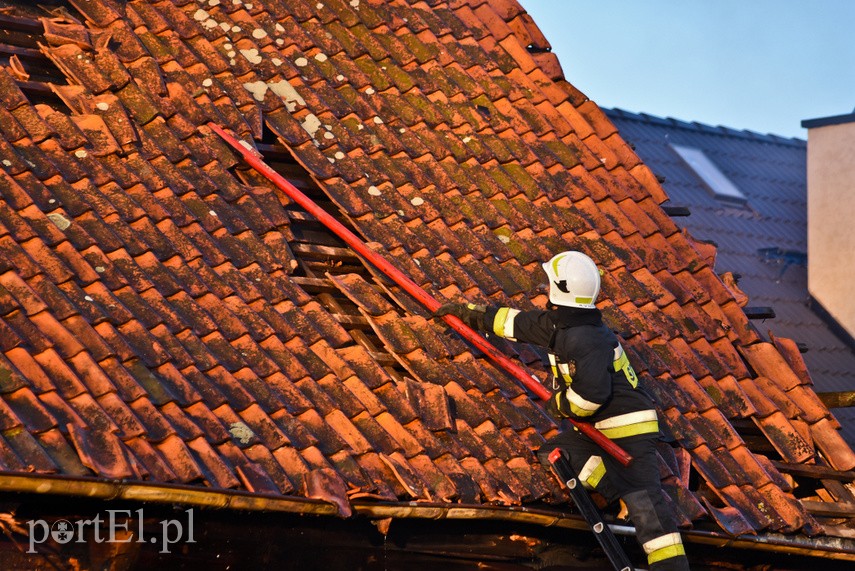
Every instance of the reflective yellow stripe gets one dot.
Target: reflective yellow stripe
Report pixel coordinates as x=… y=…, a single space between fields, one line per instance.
x=555 y=262
x=622 y=364
x=630 y=424
x=499 y=321
x=584 y=300
x=503 y=324
x=555 y=379
x=658 y=543
x=560 y=371
x=664 y=547
x=625 y=419
x=632 y=430
x=579 y=406
x=592 y=472
x=565 y=372
x=666 y=553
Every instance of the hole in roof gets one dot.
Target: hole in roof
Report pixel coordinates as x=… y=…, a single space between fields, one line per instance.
x=20 y=35
x=715 y=180
x=268 y=136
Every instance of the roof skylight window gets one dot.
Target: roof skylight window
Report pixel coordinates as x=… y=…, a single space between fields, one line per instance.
x=721 y=186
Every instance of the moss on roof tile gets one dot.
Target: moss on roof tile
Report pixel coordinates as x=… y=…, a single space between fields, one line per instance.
x=423 y=52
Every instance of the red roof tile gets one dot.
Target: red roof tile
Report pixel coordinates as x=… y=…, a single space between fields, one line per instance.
x=767 y=361
x=785 y=438
x=829 y=441
x=101 y=452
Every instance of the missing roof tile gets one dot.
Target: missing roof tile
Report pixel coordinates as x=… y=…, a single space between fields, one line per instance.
x=22 y=35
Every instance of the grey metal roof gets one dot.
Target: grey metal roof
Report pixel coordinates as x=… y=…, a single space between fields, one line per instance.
x=771 y=172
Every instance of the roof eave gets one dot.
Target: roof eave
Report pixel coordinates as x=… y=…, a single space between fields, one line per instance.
x=840 y=549
x=828 y=121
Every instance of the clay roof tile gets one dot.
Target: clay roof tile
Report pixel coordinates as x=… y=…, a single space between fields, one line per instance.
x=101 y=452
x=732 y=400
x=832 y=445
x=786 y=439
x=757 y=513
x=177 y=456
x=767 y=361
x=12 y=96
x=21 y=407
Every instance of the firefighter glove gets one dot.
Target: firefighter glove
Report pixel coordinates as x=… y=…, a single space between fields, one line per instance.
x=469 y=313
x=558 y=405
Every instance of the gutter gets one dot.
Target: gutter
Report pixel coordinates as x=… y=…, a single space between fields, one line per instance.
x=840 y=549
x=109 y=490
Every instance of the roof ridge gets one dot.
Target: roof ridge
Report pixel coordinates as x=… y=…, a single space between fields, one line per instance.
x=704 y=127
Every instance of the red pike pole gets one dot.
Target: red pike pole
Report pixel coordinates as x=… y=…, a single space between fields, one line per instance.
x=529 y=381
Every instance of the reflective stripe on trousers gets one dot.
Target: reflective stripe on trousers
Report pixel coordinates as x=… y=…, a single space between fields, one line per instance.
x=592 y=472
x=664 y=547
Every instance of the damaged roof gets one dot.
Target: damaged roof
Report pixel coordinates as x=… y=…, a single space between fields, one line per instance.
x=167 y=316
x=763 y=240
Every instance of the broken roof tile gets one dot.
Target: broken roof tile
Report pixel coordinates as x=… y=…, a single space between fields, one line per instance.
x=101 y=452
x=791 y=353
x=811 y=408
x=730 y=519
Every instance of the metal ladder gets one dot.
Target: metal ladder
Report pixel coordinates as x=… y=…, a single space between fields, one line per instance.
x=590 y=512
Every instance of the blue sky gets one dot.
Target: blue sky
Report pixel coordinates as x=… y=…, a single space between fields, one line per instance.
x=760 y=65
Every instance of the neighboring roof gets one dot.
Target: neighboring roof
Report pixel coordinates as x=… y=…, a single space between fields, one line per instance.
x=764 y=241
x=168 y=317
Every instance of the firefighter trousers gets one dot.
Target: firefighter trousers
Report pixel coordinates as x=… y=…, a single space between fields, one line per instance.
x=638 y=485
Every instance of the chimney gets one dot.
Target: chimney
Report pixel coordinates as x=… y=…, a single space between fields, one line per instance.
x=831 y=216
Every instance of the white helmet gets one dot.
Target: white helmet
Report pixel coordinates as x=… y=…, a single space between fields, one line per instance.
x=574 y=280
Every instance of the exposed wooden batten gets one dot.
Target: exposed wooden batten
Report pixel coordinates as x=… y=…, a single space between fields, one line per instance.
x=7 y=50
x=814 y=471
x=840 y=399
x=19 y=24
x=836 y=509
x=314 y=285
x=316 y=251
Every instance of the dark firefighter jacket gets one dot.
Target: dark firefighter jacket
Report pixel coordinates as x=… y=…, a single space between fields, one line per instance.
x=588 y=363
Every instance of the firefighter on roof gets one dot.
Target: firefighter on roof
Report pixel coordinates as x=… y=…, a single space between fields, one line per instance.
x=594 y=382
